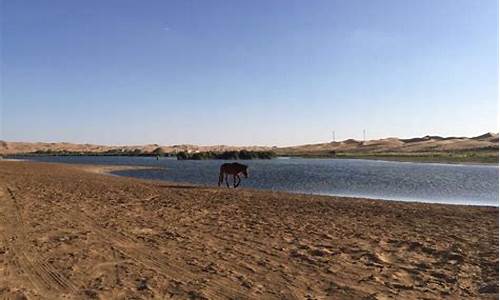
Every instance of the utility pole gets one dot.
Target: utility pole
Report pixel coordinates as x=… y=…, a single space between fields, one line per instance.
x=364 y=135
x=333 y=134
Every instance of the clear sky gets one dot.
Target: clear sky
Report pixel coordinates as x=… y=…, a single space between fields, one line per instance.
x=246 y=72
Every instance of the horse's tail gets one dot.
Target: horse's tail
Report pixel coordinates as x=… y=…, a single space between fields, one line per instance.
x=221 y=176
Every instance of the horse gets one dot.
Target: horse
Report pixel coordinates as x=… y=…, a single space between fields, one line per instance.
x=234 y=169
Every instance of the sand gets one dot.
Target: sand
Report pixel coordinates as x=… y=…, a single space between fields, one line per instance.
x=10 y=148
x=69 y=233
x=486 y=142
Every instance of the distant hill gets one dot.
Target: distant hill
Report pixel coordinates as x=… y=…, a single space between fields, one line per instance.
x=7 y=148
x=485 y=142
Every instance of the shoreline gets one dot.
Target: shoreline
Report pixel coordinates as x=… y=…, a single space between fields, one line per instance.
x=406 y=159
x=109 y=169
x=113 y=237
x=398 y=159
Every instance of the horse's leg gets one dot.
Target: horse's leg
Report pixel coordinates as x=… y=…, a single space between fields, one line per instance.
x=234 y=181
x=221 y=177
x=227 y=181
x=239 y=180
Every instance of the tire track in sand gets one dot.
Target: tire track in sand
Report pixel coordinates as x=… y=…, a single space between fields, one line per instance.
x=129 y=247
x=43 y=278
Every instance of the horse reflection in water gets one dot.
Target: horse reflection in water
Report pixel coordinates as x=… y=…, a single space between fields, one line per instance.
x=234 y=169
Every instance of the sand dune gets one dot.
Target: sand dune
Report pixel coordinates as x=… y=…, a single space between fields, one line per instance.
x=67 y=232
x=488 y=141
x=22 y=147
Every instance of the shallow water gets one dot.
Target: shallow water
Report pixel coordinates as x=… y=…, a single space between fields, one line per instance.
x=422 y=182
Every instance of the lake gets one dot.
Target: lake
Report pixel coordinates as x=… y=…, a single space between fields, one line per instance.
x=390 y=180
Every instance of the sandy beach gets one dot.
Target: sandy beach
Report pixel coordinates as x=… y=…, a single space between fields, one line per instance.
x=72 y=232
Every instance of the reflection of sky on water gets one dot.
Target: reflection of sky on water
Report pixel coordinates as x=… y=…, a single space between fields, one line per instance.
x=428 y=182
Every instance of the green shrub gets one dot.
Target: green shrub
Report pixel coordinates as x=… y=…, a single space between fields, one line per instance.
x=182 y=155
x=227 y=155
x=158 y=152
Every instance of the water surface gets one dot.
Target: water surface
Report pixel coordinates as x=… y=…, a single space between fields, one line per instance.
x=423 y=182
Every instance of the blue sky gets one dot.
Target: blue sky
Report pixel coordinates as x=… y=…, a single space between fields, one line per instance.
x=246 y=72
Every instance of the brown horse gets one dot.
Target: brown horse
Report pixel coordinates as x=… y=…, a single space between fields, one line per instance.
x=234 y=169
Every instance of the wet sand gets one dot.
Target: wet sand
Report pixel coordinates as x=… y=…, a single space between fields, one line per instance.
x=70 y=232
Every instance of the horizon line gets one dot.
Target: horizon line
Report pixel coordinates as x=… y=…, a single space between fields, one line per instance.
x=240 y=145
